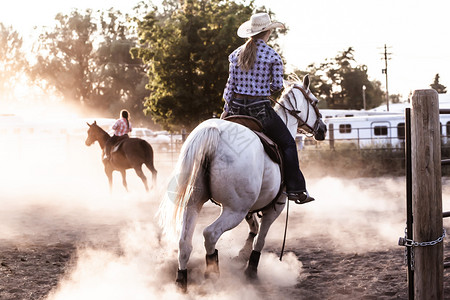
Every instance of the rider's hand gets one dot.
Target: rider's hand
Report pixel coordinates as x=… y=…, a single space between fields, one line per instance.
x=223 y=115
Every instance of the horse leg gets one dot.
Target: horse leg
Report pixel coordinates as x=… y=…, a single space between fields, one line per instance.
x=269 y=216
x=253 y=225
x=141 y=175
x=185 y=243
x=152 y=169
x=227 y=220
x=108 y=172
x=124 y=179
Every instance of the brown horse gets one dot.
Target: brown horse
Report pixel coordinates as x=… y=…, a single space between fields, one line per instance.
x=131 y=154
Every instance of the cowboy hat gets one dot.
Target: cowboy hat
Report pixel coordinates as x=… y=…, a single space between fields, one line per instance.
x=258 y=23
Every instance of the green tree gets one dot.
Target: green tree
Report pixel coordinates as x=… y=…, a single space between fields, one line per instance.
x=120 y=78
x=13 y=64
x=395 y=98
x=86 y=58
x=441 y=89
x=339 y=83
x=64 y=56
x=186 y=46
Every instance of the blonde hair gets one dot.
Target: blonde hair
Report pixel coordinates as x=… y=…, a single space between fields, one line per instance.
x=247 y=56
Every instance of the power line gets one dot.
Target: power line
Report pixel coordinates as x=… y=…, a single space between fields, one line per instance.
x=385 y=71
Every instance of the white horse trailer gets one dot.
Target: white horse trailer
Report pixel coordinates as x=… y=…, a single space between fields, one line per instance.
x=373 y=131
x=338 y=113
x=367 y=131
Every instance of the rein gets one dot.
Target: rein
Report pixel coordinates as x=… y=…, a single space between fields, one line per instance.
x=100 y=135
x=285 y=230
x=301 y=123
x=295 y=113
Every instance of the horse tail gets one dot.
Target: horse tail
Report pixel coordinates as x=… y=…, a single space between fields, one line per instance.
x=149 y=157
x=195 y=154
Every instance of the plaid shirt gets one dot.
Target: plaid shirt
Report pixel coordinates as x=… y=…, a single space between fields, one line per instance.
x=265 y=77
x=121 y=127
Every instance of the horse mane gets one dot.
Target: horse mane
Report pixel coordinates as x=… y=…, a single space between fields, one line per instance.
x=102 y=135
x=288 y=84
x=291 y=81
x=101 y=130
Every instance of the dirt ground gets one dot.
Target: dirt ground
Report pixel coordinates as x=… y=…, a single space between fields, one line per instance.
x=33 y=266
x=68 y=238
x=32 y=271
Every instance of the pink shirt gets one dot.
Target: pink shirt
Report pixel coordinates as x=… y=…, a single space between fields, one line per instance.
x=121 y=127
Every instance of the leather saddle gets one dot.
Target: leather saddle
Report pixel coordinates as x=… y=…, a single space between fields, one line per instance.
x=252 y=123
x=116 y=147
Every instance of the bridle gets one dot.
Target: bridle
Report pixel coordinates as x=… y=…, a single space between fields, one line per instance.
x=94 y=134
x=91 y=138
x=295 y=113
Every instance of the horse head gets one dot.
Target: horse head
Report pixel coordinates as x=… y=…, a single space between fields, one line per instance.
x=298 y=101
x=93 y=133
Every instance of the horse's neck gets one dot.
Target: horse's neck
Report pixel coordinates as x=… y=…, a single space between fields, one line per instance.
x=104 y=137
x=291 y=121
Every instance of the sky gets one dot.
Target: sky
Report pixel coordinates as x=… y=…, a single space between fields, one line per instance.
x=415 y=32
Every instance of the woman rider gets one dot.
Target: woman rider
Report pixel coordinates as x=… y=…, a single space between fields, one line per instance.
x=256 y=71
x=121 y=128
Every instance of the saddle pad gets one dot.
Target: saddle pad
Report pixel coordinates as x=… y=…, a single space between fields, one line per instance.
x=247 y=121
x=270 y=147
x=253 y=124
x=117 y=146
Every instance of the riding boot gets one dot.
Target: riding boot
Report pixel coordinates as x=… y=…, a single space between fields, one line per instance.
x=300 y=197
x=107 y=152
x=110 y=144
x=106 y=157
x=276 y=129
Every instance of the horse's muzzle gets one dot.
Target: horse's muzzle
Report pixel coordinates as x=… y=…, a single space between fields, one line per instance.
x=321 y=131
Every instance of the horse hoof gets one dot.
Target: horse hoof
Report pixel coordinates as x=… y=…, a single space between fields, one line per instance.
x=251 y=274
x=212 y=266
x=252 y=268
x=181 y=281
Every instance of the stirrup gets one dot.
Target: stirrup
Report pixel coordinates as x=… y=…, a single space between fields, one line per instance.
x=299 y=197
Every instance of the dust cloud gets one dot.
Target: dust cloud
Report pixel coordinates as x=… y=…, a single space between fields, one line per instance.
x=54 y=190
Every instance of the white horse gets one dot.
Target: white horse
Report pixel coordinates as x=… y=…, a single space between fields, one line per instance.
x=226 y=162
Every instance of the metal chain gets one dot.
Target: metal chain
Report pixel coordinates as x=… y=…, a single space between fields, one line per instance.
x=411 y=243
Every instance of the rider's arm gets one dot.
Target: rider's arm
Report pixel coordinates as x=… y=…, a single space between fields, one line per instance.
x=277 y=74
x=231 y=82
x=116 y=125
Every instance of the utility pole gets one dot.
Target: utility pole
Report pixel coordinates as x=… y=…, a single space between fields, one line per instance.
x=364 y=96
x=385 y=71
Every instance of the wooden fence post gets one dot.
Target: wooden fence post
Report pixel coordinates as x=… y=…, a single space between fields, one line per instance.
x=427 y=194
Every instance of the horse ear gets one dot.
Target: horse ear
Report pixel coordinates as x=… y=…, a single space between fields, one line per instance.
x=306 y=82
x=88 y=124
x=95 y=122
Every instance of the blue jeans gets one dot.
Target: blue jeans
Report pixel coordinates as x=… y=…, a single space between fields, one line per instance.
x=275 y=129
